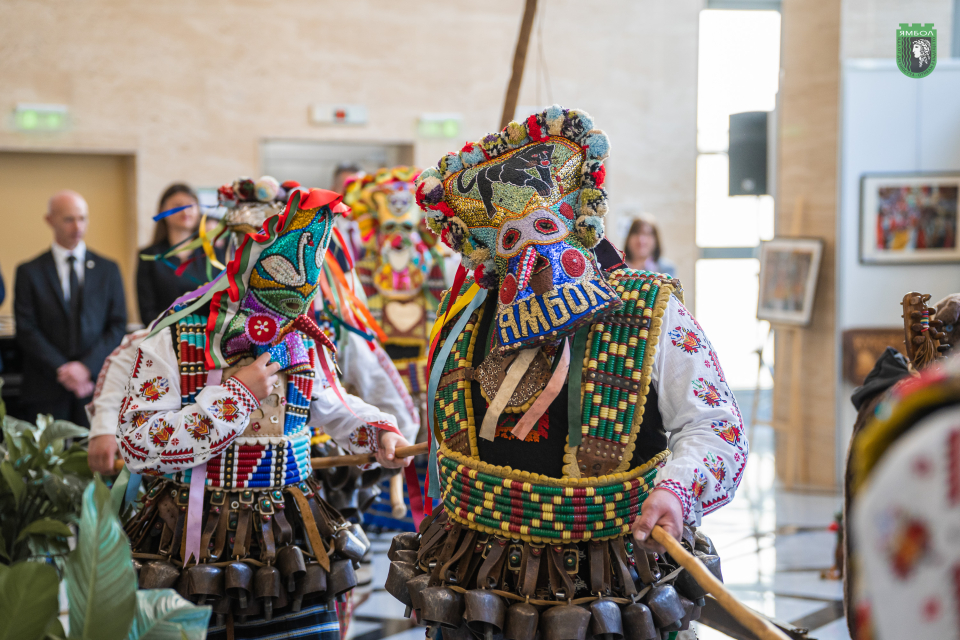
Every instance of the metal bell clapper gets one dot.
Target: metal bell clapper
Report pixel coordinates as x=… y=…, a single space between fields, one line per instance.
x=221 y=607
x=238 y=582
x=314 y=580
x=291 y=565
x=396 y=585
x=266 y=586
x=665 y=605
x=409 y=541
x=484 y=612
x=415 y=588
x=688 y=587
x=605 y=620
x=158 y=574
x=342 y=578
x=564 y=622
x=348 y=545
x=205 y=581
x=638 y=623
x=522 y=619
x=442 y=607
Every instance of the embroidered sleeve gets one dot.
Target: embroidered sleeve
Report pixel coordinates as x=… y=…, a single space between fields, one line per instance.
x=156 y=434
x=354 y=429
x=701 y=417
x=104 y=409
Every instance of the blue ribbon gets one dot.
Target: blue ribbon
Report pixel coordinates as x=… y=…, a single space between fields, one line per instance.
x=436 y=371
x=133 y=486
x=169 y=212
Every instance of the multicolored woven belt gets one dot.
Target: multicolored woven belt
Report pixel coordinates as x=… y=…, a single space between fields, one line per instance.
x=498 y=500
x=258 y=466
x=191 y=342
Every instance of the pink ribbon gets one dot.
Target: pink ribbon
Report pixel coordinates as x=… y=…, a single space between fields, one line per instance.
x=548 y=395
x=198 y=478
x=401 y=280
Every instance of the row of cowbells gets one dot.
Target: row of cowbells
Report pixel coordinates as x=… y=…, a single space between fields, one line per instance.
x=252 y=591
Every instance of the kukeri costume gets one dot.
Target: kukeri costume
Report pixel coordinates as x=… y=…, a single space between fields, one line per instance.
x=237 y=492
x=556 y=386
x=401 y=269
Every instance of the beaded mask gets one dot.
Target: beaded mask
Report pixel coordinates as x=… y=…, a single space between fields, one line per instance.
x=272 y=281
x=388 y=216
x=524 y=207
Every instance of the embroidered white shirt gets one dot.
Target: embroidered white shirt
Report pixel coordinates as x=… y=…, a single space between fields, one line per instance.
x=700 y=415
x=60 y=256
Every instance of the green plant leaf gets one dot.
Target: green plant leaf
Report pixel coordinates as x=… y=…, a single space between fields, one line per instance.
x=45 y=527
x=17 y=427
x=118 y=489
x=101 y=583
x=3 y=549
x=28 y=600
x=14 y=481
x=76 y=462
x=59 y=430
x=162 y=614
x=54 y=630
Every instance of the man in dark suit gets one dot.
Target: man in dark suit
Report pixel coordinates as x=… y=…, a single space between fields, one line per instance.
x=70 y=314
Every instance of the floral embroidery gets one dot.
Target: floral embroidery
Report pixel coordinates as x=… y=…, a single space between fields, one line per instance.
x=699 y=484
x=728 y=431
x=154 y=389
x=707 y=392
x=682 y=493
x=148 y=364
x=199 y=427
x=365 y=438
x=686 y=339
x=139 y=418
x=225 y=409
x=160 y=433
x=716 y=467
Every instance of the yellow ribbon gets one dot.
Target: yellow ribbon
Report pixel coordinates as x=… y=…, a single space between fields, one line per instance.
x=207 y=247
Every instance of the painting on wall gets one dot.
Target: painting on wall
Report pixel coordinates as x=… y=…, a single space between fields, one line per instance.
x=788 y=279
x=909 y=218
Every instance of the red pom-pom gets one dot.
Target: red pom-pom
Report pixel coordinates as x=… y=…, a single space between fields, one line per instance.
x=467 y=148
x=533 y=127
x=445 y=237
x=290 y=184
x=444 y=208
x=478 y=273
x=599 y=176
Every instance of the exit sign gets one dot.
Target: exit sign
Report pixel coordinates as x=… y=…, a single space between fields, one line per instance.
x=40 y=117
x=338 y=114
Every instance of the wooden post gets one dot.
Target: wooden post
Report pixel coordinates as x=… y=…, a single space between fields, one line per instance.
x=519 y=60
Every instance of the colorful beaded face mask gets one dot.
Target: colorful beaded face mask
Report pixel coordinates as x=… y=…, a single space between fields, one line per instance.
x=524 y=207
x=273 y=279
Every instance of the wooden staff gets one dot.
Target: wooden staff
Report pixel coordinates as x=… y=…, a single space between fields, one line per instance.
x=343 y=461
x=398 y=508
x=519 y=60
x=757 y=625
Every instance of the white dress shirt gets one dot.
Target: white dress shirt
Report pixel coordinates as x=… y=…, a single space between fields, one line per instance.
x=60 y=256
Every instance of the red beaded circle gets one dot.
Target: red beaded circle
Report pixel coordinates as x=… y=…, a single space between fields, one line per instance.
x=508 y=290
x=573 y=263
x=261 y=329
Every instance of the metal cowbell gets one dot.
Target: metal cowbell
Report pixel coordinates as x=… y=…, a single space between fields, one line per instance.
x=442 y=606
x=605 y=620
x=291 y=564
x=664 y=603
x=415 y=588
x=409 y=541
x=205 y=581
x=238 y=582
x=564 y=622
x=341 y=578
x=314 y=580
x=396 y=585
x=638 y=623
x=266 y=587
x=484 y=612
x=522 y=619
x=159 y=574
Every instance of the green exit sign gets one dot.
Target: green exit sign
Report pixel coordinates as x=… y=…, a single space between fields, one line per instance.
x=439 y=125
x=40 y=117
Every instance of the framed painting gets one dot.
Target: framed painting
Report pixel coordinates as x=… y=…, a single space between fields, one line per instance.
x=788 y=279
x=909 y=218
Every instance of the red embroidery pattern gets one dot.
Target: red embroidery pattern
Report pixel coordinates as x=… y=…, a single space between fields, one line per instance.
x=716 y=467
x=728 y=431
x=136 y=364
x=154 y=388
x=242 y=395
x=225 y=409
x=699 y=484
x=160 y=433
x=707 y=392
x=686 y=339
x=199 y=427
x=682 y=493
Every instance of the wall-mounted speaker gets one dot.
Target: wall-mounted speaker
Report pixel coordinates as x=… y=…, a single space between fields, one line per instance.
x=748 y=153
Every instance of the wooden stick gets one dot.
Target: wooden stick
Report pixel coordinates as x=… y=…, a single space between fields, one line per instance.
x=343 y=461
x=519 y=61
x=397 y=505
x=757 y=625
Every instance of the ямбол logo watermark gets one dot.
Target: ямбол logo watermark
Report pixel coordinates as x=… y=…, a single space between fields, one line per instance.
x=916 y=49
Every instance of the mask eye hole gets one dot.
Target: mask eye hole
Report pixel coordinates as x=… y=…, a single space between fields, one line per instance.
x=510 y=239
x=546 y=226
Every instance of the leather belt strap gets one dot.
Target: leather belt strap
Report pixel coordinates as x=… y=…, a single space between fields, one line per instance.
x=166 y=537
x=310 y=524
x=242 y=540
x=429 y=539
x=619 y=553
x=221 y=540
x=213 y=519
x=446 y=552
x=530 y=569
x=466 y=544
x=284 y=533
x=642 y=562
x=595 y=555
x=179 y=541
x=560 y=580
x=488 y=577
x=269 y=550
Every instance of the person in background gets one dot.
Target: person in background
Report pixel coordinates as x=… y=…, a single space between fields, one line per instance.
x=160 y=282
x=643 y=250
x=70 y=313
x=347 y=226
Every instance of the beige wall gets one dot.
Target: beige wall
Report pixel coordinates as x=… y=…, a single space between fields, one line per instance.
x=869 y=26
x=191 y=88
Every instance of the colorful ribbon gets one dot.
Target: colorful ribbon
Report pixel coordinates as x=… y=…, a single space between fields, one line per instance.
x=198 y=476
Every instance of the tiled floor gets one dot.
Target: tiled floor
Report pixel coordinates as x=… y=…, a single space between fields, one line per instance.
x=773 y=545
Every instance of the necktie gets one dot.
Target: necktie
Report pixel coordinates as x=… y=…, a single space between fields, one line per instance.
x=76 y=298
